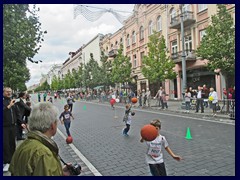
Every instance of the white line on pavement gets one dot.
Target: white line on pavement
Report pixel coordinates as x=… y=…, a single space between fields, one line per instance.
x=82 y=157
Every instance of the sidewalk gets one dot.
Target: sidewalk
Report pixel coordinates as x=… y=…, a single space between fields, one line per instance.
x=175 y=106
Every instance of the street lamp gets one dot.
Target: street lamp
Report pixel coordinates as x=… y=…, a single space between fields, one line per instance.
x=184 y=75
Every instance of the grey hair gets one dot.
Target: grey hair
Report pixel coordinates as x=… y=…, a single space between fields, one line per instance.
x=42 y=116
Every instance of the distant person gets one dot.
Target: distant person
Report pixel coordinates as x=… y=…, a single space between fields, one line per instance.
x=70 y=101
x=154 y=155
x=38 y=154
x=214 y=100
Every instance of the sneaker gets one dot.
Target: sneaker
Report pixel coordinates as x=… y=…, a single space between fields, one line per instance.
x=5 y=168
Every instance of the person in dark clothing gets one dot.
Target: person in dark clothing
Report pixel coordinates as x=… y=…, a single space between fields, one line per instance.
x=11 y=116
x=23 y=109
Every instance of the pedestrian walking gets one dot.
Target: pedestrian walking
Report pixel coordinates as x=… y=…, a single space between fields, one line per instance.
x=44 y=97
x=127 y=119
x=154 y=155
x=187 y=97
x=39 y=97
x=38 y=154
x=65 y=119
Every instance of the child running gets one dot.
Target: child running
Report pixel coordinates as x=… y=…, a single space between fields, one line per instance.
x=66 y=115
x=154 y=155
x=127 y=119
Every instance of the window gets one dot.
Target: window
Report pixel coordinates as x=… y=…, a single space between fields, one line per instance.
x=141 y=33
x=202 y=33
x=128 y=40
x=116 y=43
x=150 y=28
x=188 y=44
x=134 y=60
x=174 y=49
x=202 y=7
x=133 y=37
x=141 y=56
x=186 y=7
x=121 y=41
x=159 y=23
x=111 y=45
x=173 y=14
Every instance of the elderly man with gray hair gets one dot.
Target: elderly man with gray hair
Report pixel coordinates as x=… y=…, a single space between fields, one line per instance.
x=38 y=154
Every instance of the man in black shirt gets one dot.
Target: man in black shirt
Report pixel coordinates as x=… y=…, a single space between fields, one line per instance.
x=11 y=116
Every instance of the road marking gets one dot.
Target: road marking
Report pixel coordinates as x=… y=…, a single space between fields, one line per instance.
x=187 y=117
x=82 y=157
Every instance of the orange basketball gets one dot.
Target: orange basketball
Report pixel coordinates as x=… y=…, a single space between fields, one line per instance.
x=69 y=140
x=149 y=132
x=134 y=100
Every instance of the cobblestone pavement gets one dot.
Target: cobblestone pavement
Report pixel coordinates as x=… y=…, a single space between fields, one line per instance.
x=97 y=128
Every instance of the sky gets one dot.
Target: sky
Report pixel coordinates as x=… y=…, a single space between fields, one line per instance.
x=66 y=34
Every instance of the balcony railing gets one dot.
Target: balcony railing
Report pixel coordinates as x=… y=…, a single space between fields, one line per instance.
x=188 y=19
x=190 y=55
x=112 y=53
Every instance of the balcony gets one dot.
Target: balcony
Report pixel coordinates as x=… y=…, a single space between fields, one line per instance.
x=188 y=19
x=112 y=53
x=190 y=56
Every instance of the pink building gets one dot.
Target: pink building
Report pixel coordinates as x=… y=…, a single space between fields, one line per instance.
x=166 y=20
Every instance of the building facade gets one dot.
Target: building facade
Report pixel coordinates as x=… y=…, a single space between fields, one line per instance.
x=165 y=19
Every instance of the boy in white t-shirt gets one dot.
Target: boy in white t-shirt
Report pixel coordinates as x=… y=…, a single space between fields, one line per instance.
x=154 y=155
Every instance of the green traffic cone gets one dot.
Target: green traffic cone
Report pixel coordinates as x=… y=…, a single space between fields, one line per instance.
x=188 y=135
x=84 y=107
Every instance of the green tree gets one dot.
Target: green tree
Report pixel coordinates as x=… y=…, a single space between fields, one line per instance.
x=54 y=84
x=22 y=37
x=121 y=68
x=218 y=45
x=157 y=66
x=105 y=71
x=92 y=73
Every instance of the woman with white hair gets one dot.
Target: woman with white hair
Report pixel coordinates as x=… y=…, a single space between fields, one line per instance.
x=38 y=154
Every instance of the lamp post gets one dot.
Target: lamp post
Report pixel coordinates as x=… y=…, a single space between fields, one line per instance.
x=184 y=75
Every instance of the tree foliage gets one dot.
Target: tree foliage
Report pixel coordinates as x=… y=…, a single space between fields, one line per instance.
x=157 y=66
x=218 y=45
x=121 y=67
x=22 y=37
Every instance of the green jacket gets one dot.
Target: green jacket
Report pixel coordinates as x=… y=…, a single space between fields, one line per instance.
x=36 y=156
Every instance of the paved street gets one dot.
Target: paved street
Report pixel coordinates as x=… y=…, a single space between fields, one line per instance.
x=104 y=151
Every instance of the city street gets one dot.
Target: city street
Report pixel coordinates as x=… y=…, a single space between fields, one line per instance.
x=97 y=136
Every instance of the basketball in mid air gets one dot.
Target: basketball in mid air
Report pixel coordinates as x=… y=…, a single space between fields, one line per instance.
x=149 y=132
x=134 y=100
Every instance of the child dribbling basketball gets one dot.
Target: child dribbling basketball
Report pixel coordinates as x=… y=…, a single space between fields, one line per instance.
x=128 y=119
x=154 y=155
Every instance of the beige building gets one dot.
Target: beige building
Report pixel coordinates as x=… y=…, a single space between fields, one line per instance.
x=165 y=18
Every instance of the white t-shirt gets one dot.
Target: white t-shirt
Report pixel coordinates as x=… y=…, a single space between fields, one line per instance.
x=129 y=120
x=154 y=153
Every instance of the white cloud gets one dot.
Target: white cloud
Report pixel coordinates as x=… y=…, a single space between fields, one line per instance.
x=66 y=34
